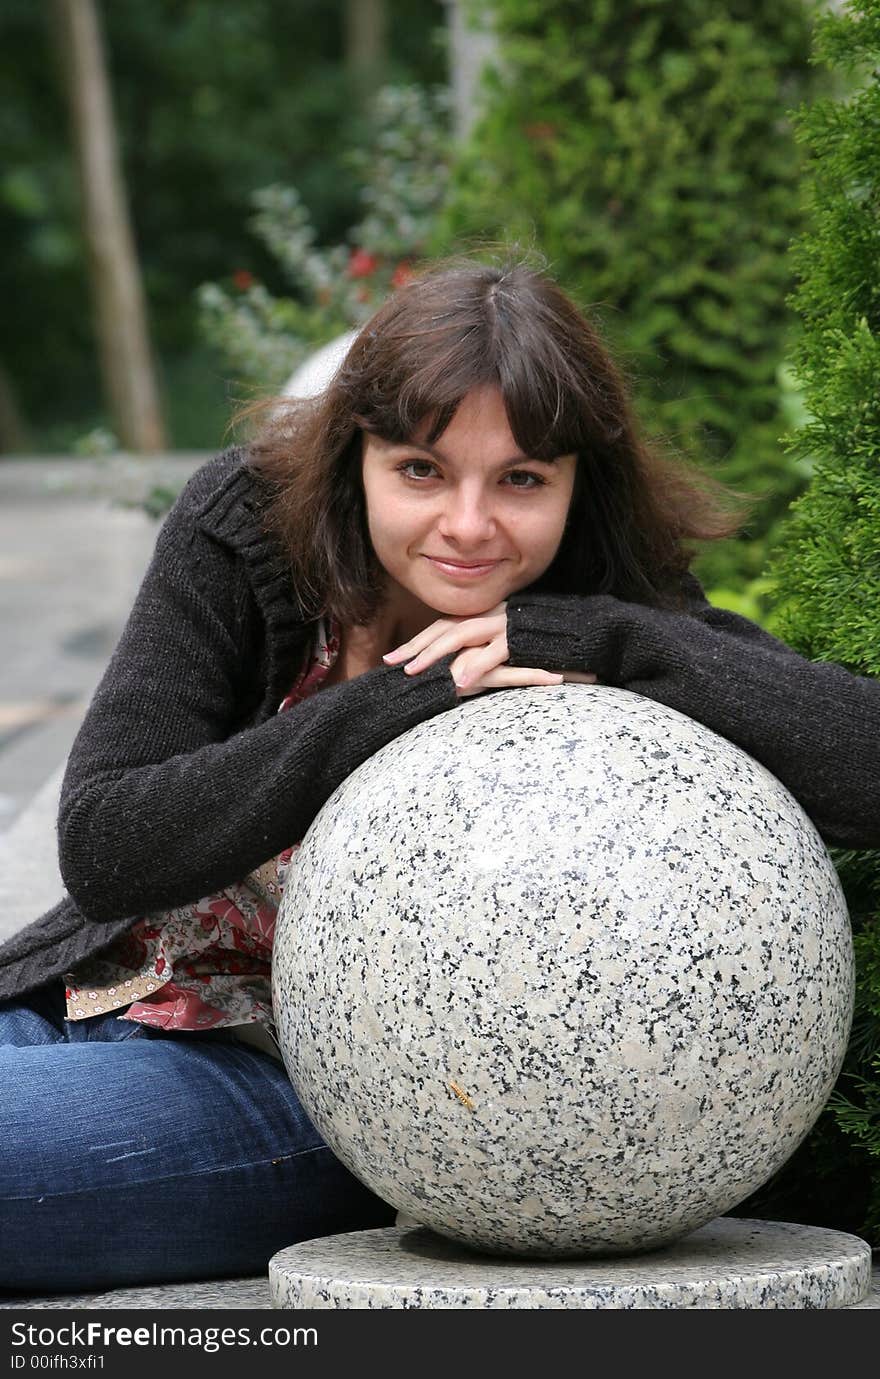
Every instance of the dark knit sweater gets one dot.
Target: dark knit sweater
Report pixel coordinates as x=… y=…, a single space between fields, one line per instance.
x=184 y=777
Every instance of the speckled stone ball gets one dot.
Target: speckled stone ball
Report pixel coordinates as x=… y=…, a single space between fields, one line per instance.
x=561 y=972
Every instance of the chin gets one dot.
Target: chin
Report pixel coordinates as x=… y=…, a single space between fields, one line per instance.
x=468 y=607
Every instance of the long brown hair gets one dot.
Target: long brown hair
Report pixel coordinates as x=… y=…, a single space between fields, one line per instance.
x=634 y=508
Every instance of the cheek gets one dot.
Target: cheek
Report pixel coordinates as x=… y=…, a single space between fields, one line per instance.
x=546 y=532
x=563 y=511
x=392 y=528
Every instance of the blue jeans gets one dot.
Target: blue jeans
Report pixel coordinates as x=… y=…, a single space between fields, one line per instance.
x=128 y=1155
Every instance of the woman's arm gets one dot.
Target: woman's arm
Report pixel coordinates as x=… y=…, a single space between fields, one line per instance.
x=162 y=802
x=814 y=725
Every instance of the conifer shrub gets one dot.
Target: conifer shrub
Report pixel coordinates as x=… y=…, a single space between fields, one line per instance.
x=644 y=148
x=826 y=571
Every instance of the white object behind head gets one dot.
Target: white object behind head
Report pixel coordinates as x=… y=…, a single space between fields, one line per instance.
x=315 y=373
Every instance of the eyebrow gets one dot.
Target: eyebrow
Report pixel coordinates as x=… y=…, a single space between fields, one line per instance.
x=503 y=464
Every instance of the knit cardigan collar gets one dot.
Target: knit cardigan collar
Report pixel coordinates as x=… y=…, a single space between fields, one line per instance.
x=230 y=514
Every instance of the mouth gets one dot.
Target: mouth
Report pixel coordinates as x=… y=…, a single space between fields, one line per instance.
x=458 y=569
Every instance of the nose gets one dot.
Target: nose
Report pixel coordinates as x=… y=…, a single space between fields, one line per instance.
x=467 y=518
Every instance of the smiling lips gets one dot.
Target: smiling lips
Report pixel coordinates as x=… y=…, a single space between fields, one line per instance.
x=459 y=571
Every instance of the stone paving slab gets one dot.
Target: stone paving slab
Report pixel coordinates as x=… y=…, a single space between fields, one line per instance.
x=218 y=1294
x=30 y=882
x=70 y=567
x=118 y=476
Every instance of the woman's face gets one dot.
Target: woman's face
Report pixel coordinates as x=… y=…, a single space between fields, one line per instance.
x=473 y=499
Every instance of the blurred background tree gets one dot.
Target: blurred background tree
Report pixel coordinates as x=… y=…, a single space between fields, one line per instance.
x=212 y=103
x=402 y=174
x=119 y=311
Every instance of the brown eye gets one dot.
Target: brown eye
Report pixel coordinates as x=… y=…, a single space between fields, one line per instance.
x=537 y=481
x=409 y=464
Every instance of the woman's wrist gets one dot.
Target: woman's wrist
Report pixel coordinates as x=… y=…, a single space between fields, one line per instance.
x=547 y=630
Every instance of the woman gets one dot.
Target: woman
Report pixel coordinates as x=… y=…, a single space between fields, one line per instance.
x=468 y=508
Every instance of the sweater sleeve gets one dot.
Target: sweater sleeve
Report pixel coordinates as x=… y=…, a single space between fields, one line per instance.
x=162 y=801
x=815 y=726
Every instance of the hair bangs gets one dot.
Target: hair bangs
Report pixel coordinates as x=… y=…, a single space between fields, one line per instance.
x=545 y=415
x=425 y=376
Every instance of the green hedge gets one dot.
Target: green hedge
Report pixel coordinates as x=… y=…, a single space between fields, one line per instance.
x=826 y=573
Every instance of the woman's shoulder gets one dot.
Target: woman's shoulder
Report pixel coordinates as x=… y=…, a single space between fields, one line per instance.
x=223 y=488
x=216 y=529
x=223 y=501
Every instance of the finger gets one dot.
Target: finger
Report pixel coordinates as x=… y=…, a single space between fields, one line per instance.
x=424 y=638
x=473 y=665
x=467 y=669
x=510 y=676
x=418 y=643
x=470 y=632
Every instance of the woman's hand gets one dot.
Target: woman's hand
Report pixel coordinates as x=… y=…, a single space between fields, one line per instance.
x=481 y=665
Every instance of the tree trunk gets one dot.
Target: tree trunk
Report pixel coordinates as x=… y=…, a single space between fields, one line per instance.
x=126 y=364
x=366 y=49
x=14 y=434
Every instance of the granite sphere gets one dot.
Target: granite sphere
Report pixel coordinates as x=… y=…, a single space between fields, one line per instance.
x=561 y=972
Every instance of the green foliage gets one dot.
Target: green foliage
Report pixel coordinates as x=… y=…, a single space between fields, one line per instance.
x=826 y=573
x=403 y=172
x=645 y=149
x=212 y=101
x=97 y=442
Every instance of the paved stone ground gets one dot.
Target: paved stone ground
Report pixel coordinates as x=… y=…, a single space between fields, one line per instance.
x=236 y=1294
x=30 y=882
x=71 y=561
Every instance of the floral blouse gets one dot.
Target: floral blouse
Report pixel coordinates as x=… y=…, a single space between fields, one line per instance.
x=206 y=964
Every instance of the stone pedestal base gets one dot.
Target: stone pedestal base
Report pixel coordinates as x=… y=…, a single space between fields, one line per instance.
x=728 y=1264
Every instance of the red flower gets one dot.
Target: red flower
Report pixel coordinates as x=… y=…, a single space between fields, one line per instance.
x=362 y=264
x=243 y=279
x=402 y=274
